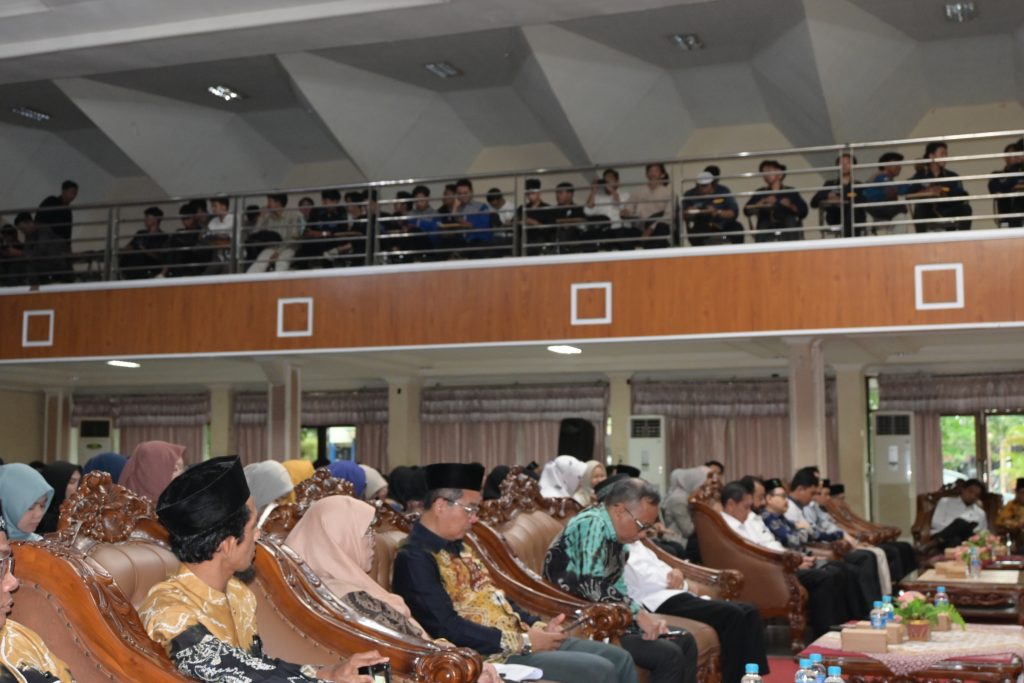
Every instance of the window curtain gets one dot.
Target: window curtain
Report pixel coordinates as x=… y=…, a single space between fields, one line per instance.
x=743 y=424
x=250 y=424
x=506 y=425
x=176 y=418
x=367 y=409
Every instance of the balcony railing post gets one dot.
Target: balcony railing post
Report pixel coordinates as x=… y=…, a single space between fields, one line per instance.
x=517 y=245
x=113 y=222
x=371 y=240
x=236 y=234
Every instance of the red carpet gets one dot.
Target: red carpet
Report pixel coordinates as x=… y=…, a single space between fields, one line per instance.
x=783 y=670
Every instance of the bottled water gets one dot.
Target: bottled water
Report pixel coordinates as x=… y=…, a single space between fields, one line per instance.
x=941 y=598
x=751 y=676
x=835 y=675
x=888 y=609
x=804 y=674
x=818 y=668
x=975 y=570
x=878 y=615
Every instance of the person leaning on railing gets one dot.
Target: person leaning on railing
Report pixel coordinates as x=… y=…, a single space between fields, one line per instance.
x=839 y=196
x=953 y=215
x=711 y=217
x=325 y=221
x=779 y=208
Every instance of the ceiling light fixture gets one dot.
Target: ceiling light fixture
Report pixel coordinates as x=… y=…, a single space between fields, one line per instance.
x=565 y=350
x=442 y=70
x=124 y=364
x=961 y=12
x=223 y=92
x=33 y=114
x=687 y=41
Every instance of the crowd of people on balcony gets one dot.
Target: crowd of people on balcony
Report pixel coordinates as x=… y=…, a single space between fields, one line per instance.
x=360 y=227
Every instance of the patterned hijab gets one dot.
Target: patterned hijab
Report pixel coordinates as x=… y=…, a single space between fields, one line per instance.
x=20 y=488
x=151 y=468
x=561 y=477
x=350 y=472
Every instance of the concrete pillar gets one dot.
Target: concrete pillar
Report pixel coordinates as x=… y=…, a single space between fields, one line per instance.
x=807 y=427
x=221 y=424
x=852 y=414
x=403 y=422
x=57 y=426
x=620 y=407
x=284 y=409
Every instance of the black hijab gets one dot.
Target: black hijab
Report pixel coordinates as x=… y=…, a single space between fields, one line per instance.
x=57 y=474
x=492 y=487
x=407 y=483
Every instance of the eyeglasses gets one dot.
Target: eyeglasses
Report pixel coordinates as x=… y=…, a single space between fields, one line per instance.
x=471 y=510
x=640 y=526
x=6 y=565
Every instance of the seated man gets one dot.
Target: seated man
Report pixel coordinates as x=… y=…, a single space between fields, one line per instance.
x=570 y=218
x=946 y=215
x=1011 y=518
x=1010 y=181
x=710 y=216
x=203 y=614
x=326 y=222
x=536 y=218
x=779 y=208
x=452 y=595
x=600 y=555
x=823 y=580
x=838 y=197
x=889 y=168
x=145 y=255
x=24 y=657
x=956 y=518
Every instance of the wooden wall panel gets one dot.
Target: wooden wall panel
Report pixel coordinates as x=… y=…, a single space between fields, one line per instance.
x=811 y=289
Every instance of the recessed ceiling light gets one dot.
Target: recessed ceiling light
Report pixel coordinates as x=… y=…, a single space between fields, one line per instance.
x=687 y=41
x=124 y=364
x=961 y=12
x=33 y=114
x=442 y=69
x=565 y=350
x=223 y=92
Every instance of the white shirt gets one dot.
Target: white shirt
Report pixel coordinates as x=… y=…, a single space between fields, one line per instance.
x=605 y=205
x=754 y=530
x=218 y=224
x=647 y=578
x=953 y=507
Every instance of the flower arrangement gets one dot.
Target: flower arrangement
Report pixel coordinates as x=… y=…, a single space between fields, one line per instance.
x=914 y=606
x=985 y=543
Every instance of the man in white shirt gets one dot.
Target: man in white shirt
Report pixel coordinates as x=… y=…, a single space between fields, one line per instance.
x=664 y=590
x=956 y=518
x=223 y=221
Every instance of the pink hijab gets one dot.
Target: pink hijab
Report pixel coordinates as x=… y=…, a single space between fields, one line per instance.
x=151 y=468
x=330 y=538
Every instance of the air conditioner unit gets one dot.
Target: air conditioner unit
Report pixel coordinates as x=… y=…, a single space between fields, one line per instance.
x=892 y=448
x=95 y=436
x=647 y=448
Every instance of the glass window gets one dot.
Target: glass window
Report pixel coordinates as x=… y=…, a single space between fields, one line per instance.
x=959 y=447
x=1004 y=435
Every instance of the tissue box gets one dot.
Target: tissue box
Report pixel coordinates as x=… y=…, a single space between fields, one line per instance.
x=894 y=633
x=865 y=640
x=955 y=569
x=951 y=553
x=944 y=623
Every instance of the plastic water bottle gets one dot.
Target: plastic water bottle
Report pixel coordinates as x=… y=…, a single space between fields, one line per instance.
x=975 y=563
x=878 y=615
x=804 y=674
x=818 y=667
x=887 y=608
x=751 y=676
x=941 y=599
x=835 y=675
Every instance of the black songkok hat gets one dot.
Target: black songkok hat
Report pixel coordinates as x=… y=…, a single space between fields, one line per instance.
x=837 y=489
x=826 y=483
x=602 y=489
x=454 y=475
x=624 y=469
x=772 y=484
x=202 y=496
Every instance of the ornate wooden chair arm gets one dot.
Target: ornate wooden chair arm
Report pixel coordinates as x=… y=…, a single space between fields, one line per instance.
x=606 y=621
x=722 y=584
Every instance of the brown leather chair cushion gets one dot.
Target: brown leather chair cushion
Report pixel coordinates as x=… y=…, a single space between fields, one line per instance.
x=384 y=556
x=529 y=534
x=135 y=566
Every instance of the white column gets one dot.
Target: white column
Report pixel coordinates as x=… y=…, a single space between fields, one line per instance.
x=403 y=421
x=620 y=407
x=221 y=423
x=57 y=425
x=284 y=409
x=852 y=413
x=807 y=429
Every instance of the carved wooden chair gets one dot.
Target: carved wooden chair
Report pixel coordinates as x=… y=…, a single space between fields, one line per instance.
x=298 y=617
x=776 y=592
x=926 y=502
x=858 y=527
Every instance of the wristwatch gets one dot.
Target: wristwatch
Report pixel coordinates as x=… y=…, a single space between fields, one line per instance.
x=527 y=645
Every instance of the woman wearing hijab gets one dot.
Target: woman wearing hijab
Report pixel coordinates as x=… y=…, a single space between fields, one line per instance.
x=492 y=485
x=408 y=486
x=299 y=470
x=376 y=484
x=111 y=463
x=153 y=465
x=335 y=538
x=63 y=478
x=561 y=477
x=25 y=496
x=350 y=472
x=593 y=474
x=676 y=507
x=268 y=483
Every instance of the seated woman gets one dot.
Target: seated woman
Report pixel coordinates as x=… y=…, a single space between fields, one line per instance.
x=492 y=484
x=561 y=477
x=26 y=497
x=299 y=470
x=376 y=484
x=111 y=463
x=24 y=657
x=269 y=484
x=593 y=474
x=675 y=509
x=350 y=472
x=153 y=465
x=335 y=538
x=63 y=477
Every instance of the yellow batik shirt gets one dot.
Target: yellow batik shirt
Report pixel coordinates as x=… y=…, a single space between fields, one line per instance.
x=1011 y=517
x=26 y=657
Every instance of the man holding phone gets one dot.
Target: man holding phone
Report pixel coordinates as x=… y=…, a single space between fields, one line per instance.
x=453 y=596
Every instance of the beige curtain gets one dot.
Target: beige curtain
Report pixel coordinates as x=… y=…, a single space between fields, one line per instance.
x=951 y=394
x=190 y=436
x=372 y=445
x=488 y=443
x=251 y=442
x=927 y=452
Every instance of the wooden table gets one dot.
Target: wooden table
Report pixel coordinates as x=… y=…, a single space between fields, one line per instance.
x=995 y=597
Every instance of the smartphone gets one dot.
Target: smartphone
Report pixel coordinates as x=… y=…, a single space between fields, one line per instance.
x=575 y=623
x=672 y=633
x=380 y=673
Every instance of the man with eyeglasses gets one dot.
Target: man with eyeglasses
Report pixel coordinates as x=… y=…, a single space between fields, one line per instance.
x=588 y=559
x=23 y=654
x=452 y=595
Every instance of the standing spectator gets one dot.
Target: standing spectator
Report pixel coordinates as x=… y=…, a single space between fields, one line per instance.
x=653 y=204
x=711 y=217
x=275 y=224
x=325 y=221
x=839 y=203
x=43 y=249
x=951 y=215
x=889 y=168
x=1012 y=181
x=54 y=213
x=535 y=218
x=144 y=256
x=474 y=217
x=780 y=209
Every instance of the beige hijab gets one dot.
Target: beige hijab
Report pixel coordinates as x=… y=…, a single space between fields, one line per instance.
x=330 y=538
x=584 y=491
